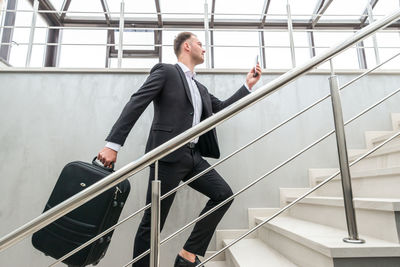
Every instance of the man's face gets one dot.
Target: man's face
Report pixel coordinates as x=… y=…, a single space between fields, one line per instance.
x=196 y=50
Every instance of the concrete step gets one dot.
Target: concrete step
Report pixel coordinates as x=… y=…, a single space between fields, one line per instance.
x=309 y=244
x=374 y=138
x=376 y=217
x=216 y=264
x=387 y=180
x=254 y=253
x=259 y=212
x=395 y=121
x=386 y=157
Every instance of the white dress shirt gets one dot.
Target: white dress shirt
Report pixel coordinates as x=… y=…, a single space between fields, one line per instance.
x=196 y=100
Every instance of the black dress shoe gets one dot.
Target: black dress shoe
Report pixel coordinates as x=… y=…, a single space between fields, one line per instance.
x=182 y=262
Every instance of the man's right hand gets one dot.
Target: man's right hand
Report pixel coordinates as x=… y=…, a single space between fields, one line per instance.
x=107 y=156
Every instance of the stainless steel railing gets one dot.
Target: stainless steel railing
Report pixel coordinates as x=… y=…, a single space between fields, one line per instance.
x=180 y=140
x=228 y=157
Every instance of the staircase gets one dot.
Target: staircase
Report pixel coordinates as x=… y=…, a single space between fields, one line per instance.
x=310 y=234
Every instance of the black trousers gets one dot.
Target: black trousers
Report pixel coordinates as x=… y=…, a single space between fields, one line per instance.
x=210 y=184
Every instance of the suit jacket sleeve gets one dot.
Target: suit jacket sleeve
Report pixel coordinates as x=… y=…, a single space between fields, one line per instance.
x=218 y=105
x=137 y=104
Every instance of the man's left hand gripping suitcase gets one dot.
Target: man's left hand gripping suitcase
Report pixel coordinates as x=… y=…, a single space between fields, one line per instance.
x=87 y=221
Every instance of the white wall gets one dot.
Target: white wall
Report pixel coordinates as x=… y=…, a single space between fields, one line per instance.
x=50 y=119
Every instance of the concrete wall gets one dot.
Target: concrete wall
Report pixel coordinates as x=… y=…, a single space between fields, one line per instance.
x=49 y=119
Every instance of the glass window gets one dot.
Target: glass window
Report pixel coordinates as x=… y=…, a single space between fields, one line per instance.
x=174 y=9
x=302 y=48
x=92 y=7
x=134 y=62
x=385 y=7
x=302 y=9
x=388 y=45
x=228 y=56
x=136 y=39
x=20 y=37
x=249 y=9
x=38 y=49
x=133 y=9
x=325 y=40
x=344 y=10
x=78 y=54
x=57 y=4
x=277 y=51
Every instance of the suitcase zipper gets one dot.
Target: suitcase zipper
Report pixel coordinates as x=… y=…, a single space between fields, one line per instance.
x=117 y=190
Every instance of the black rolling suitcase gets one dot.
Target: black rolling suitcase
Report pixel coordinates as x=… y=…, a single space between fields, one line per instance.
x=75 y=228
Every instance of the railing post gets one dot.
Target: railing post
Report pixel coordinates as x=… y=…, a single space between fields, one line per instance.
x=155 y=219
x=32 y=33
x=121 y=33
x=343 y=160
x=207 y=34
x=290 y=29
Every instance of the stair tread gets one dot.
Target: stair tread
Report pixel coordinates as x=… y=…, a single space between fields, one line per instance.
x=365 y=173
x=216 y=264
x=386 y=149
x=254 y=252
x=384 y=135
x=328 y=240
x=383 y=204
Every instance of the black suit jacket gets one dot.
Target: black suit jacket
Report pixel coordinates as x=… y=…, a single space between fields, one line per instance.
x=167 y=87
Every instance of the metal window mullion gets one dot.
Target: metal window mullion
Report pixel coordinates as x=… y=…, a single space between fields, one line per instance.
x=32 y=33
x=206 y=32
x=3 y=18
x=311 y=43
x=290 y=29
x=374 y=39
x=362 y=61
x=262 y=49
x=121 y=33
x=7 y=34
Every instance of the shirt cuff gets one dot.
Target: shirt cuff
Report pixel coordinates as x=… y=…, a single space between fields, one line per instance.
x=247 y=87
x=114 y=146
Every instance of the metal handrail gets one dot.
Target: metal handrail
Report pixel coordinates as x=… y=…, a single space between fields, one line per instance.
x=172 y=191
x=369 y=152
x=175 y=143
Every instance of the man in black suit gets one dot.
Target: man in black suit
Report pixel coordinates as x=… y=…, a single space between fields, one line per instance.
x=180 y=102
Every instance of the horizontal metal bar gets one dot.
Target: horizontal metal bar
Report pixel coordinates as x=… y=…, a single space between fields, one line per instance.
x=137 y=258
x=186 y=13
x=149 y=29
x=176 y=142
x=100 y=235
x=297 y=200
x=215 y=46
x=220 y=161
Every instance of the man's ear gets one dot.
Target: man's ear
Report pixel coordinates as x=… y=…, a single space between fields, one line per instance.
x=186 y=46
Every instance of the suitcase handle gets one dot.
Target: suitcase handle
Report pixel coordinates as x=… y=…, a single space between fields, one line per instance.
x=94 y=162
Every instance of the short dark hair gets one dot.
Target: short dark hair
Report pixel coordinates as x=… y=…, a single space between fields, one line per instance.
x=179 y=40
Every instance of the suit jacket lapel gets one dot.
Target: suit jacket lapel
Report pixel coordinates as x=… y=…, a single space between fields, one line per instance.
x=185 y=84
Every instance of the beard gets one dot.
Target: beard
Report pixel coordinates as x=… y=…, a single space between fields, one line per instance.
x=198 y=59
